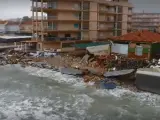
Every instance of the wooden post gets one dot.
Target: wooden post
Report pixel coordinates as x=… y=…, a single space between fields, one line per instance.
x=32 y=20
x=36 y=20
x=42 y=34
x=82 y=20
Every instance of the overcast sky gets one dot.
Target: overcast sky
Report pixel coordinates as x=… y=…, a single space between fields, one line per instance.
x=19 y=8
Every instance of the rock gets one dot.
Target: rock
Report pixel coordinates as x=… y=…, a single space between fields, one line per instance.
x=3 y=62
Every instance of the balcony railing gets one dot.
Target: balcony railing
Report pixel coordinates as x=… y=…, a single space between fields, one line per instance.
x=130 y=12
x=106 y=28
x=52 y=17
x=107 y=10
x=61 y=38
x=50 y=28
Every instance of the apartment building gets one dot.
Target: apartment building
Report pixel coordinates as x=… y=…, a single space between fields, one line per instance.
x=149 y=21
x=81 y=19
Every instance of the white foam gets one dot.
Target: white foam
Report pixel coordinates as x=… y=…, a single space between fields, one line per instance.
x=119 y=93
x=57 y=76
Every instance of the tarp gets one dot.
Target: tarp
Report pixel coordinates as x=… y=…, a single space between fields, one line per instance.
x=120 y=48
x=110 y=85
x=85 y=45
x=99 y=48
x=118 y=73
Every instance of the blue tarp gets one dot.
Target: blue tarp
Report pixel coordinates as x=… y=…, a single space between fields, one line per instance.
x=110 y=85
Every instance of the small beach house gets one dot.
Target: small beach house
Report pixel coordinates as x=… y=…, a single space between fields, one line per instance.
x=140 y=44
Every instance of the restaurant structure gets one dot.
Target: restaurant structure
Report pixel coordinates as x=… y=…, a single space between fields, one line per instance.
x=74 y=21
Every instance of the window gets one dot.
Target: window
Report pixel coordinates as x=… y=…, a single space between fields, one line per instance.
x=139 y=50
x=77 y=6
x=76 y=15
x=67 y=35
x=85 y=26
x=86 y=6
x=76 y=25
x=54 y=26
x=52 y=5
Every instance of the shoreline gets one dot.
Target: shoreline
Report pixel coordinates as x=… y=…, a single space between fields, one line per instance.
x=55 y=62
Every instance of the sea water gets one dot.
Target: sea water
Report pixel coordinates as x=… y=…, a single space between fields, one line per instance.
x=40 y=94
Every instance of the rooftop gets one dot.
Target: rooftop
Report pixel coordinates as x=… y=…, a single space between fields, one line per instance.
x=27 y=23
x=3 y=22
x=14 y=37
x=12 y=23
x=139 y=36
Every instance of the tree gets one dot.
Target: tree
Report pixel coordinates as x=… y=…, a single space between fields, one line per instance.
x=26 y=18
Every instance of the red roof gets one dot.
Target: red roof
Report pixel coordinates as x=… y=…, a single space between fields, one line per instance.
x=12 y=23
x=3 y=22
x=27 y=23
x=139 y=36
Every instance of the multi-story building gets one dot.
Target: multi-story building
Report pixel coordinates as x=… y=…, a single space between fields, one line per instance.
x=80 y=19
x=149 y=21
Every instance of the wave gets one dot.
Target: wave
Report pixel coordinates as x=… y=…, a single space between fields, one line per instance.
x=119 y=93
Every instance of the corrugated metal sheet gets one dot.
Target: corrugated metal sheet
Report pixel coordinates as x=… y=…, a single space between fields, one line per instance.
x=99 y=48
x=120 y=48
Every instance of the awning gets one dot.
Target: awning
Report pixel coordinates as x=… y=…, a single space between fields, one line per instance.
x=85 y=45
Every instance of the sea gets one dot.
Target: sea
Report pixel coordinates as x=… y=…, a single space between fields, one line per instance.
x=40 y=94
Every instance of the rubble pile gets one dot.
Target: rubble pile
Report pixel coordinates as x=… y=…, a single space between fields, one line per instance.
x=97 y=65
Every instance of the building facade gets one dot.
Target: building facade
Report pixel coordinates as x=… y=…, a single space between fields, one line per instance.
x=26 y=27
x=149 y=21
x=3 y=26
x=12 y=27
x=81 y=19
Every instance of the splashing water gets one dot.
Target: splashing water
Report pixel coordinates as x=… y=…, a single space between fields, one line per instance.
x=40 y=94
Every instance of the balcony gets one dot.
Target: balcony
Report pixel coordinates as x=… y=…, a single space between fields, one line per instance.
x=129 y=19
x=129 y=12
x=48 y=9
x=106 y=28
x=50 y=28
x=50 y=38
x=107 y=10
x=52 y=17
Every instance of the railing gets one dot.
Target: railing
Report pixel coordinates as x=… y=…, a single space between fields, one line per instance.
x=50 y=28
x=44 y=6
x=107 y=10
x=106 y=28
x=61 y=38
x=52 y=17
x=130 y=12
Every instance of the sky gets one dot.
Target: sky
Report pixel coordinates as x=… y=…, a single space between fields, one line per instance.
x=20 y=8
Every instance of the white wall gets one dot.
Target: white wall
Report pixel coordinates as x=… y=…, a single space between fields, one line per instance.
x=120 y=48
x=2 y=28
x=12 y=28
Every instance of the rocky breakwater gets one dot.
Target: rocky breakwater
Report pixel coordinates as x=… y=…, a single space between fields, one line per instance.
x=12 y=57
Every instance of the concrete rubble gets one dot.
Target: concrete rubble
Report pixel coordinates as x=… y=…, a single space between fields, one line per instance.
x=93 y=67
